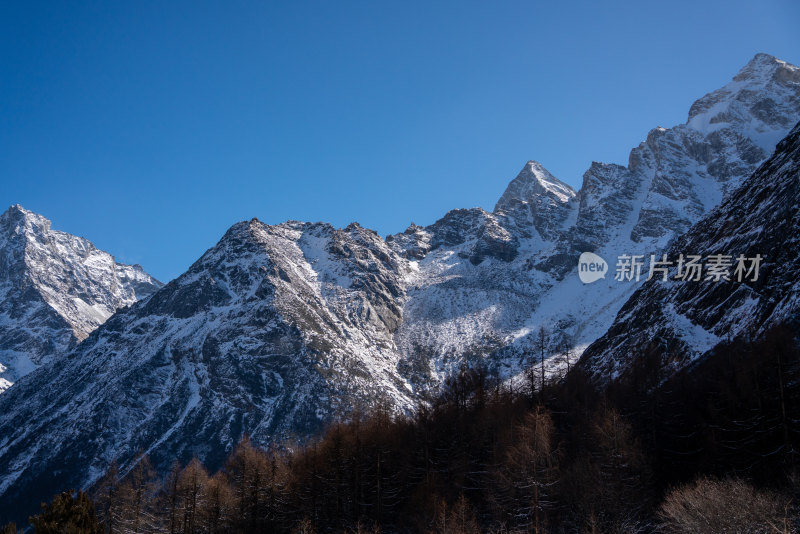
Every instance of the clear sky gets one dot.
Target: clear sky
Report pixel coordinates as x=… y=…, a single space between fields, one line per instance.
x=151 y=127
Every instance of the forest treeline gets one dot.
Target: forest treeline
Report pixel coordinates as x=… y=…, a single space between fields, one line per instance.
x=712 y=449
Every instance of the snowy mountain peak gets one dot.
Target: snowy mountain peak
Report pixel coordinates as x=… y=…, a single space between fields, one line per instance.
x=16 y=210
x=687 y=170
x=17 y=219
x=535 y=200
x=760 y=100
x=531 y=182
x=764 y=66
x=55 y=289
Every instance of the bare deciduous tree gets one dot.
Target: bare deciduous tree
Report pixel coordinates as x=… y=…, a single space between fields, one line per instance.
x=731 y=506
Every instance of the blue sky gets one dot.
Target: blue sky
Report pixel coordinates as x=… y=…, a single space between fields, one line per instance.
x=151 y=127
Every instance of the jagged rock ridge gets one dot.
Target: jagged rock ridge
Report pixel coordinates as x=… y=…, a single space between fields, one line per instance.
x=681 y=320
x=520 y=272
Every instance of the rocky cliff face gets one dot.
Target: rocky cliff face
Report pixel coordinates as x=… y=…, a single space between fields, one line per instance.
x=683 y=319
x=55 y=289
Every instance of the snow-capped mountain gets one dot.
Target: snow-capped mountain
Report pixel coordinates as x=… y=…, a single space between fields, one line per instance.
x=277 y=329
x=485 y=282
x=680 y=320
x=269 y=333
x=55 y=289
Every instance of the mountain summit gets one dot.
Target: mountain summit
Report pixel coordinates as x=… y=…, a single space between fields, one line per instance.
x=536 y=198
x=55 y=289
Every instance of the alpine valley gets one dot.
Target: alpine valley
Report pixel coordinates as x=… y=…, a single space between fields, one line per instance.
x=277 y=330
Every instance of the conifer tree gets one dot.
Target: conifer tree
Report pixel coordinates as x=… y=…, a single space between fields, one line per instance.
x=67 y=515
